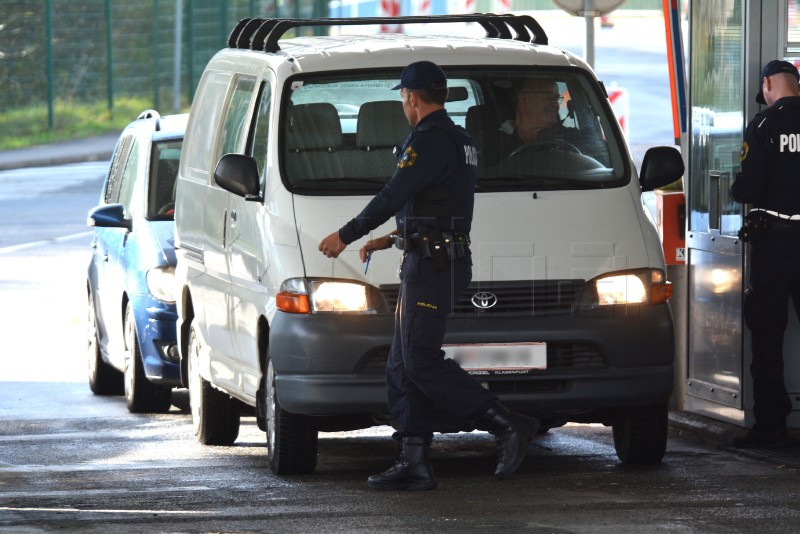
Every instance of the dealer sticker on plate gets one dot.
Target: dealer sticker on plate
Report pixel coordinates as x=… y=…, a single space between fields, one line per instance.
x=499 y=358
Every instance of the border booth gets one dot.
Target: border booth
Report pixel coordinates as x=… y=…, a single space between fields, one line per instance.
x=729 y=42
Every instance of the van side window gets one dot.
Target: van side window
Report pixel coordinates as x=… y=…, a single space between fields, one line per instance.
x=202 y=126
x=259 y=134
x=233 y=124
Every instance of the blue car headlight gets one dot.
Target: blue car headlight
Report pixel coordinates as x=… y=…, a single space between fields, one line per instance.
x=161 y=283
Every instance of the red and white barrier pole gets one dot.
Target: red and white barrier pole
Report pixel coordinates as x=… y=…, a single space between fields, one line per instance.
x=620 y=104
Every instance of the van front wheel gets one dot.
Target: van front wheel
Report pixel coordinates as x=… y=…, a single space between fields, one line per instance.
x=215 y=415
x=640 y=434
x=291 y=438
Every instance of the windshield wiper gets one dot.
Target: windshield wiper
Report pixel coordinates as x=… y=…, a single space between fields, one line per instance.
x=326 y=182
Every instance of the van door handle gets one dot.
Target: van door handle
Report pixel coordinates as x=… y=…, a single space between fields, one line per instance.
x=233 y=215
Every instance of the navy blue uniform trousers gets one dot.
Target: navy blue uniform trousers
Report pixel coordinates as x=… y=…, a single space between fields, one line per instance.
x=774 y=279
x=419 y=378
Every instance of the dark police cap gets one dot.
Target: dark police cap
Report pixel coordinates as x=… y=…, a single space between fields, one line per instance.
x=422 y=75
x=776 y=66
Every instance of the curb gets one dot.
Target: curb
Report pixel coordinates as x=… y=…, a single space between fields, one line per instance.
x=97 y=148
x=719 y=434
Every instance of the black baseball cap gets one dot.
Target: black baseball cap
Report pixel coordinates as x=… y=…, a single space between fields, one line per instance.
x=775 y=66
x=422 y=75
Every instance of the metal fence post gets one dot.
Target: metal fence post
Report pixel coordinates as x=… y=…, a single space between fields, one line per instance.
x=176 y=73
x=110 y=52
x=48 y=15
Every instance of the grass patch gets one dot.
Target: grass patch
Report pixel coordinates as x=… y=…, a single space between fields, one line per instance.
x=24 y=127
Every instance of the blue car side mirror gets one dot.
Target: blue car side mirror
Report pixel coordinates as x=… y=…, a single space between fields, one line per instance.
x=109 y=216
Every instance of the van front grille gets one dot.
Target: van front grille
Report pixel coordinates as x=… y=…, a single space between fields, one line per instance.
x=539 y=298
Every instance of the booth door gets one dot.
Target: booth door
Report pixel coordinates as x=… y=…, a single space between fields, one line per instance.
x=715 y=265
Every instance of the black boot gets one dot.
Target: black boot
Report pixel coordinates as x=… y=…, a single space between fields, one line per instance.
x=513 y=433
x=411 y=471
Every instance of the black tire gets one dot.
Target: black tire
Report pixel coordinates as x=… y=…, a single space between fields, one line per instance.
x=141 y=395
x=640 y=435
x=103 y=379
x=215 y=415
x=291 y=438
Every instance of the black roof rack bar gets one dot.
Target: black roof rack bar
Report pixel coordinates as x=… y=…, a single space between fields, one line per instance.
x=264 y=34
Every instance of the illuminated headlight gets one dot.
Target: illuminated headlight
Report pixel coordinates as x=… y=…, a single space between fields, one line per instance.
x=647 y=286
x=161 y=283
x=324 y=296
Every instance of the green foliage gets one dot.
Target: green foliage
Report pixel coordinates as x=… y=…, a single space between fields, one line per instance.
x=73 y=120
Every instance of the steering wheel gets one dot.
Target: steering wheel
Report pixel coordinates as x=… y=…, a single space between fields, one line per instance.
x=166 y=208
x=555 y=144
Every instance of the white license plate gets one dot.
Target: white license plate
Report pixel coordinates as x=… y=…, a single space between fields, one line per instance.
x=498 y=358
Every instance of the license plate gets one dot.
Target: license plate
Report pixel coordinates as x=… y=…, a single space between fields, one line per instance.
x=499 y=358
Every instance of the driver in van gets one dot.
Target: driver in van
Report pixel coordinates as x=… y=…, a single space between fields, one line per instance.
x=431 y=194
x=537 y=101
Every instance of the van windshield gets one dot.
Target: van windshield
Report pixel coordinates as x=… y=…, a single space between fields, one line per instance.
x=534 y=129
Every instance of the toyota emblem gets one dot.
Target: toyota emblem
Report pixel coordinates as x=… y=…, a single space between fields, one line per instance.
x=483 y=300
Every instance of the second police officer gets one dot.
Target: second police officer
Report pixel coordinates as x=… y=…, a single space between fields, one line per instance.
x=431 y=196
x=770 y=181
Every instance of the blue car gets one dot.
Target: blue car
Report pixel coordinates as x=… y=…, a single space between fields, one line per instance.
x=131 y=337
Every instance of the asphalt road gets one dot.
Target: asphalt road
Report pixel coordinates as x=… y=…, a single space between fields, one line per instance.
x=72 y=461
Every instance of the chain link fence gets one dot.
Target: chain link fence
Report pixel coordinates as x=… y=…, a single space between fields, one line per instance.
x=58 y=53
x=85 y=51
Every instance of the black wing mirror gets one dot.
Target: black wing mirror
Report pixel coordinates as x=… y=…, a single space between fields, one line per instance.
x=661 y=166
x=238 y=174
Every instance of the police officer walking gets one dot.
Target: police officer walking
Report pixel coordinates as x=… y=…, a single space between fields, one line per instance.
x=431 y=195
x=770 y=181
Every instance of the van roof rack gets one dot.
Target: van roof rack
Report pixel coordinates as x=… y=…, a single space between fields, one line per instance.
x=263 y=34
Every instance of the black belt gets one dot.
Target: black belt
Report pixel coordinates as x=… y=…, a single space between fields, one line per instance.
x=414 y=241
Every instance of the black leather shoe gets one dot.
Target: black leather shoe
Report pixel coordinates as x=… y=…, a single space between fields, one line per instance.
x=411 y=471
x=762 y=439
x=513 y=433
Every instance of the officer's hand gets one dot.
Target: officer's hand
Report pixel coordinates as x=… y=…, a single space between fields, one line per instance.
x=332 y=246
x=380 y=243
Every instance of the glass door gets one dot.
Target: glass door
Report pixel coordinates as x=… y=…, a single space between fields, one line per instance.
x=714 y=253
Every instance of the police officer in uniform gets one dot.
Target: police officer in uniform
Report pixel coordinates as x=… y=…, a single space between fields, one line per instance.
x=770 y=181
x=431 y=195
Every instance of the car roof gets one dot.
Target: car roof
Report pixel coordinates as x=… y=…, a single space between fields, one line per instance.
x=152 y=125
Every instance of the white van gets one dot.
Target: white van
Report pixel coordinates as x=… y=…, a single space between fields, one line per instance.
x=567 y=316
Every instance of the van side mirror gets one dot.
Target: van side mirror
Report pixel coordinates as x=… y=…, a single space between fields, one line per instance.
x=238 y=174
x=661 y=166
x=109 y=216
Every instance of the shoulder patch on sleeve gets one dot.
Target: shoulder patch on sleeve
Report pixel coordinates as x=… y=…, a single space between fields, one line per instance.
x=408 y=158
x=745 y=150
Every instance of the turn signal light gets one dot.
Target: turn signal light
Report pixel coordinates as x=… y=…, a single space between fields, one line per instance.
x=292 y=302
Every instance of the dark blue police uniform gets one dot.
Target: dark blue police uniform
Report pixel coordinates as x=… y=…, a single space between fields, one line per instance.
x=770 y=180
x=431 y=194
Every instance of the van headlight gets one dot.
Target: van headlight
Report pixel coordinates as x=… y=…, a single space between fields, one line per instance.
x=301 y=295
x=642 y=286
x=161 y=283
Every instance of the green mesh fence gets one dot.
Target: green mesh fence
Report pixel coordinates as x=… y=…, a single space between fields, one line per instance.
x=54 y=53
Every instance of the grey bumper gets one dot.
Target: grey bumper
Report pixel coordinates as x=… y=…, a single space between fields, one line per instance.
x=320 y=360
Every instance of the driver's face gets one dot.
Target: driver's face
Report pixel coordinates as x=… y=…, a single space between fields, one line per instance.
x=537 y=108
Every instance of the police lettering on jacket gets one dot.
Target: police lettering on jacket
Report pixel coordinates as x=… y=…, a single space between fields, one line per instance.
x=770 y=159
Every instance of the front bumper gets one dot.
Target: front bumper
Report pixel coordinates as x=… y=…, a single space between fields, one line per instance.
x=328 y=365
x=157 y=341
